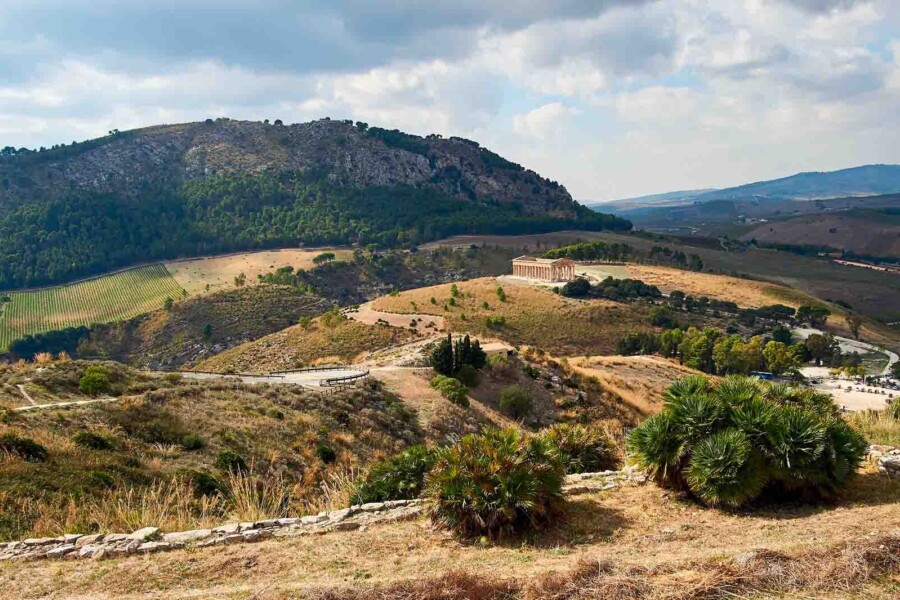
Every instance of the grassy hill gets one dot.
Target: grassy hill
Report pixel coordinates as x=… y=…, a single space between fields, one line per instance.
x=302 y=346
x=220 y=186
x=863 y=232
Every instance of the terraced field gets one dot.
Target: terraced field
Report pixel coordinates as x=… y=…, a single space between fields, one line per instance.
x=102 y=300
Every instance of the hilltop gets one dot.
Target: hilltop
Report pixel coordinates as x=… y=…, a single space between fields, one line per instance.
x=217 y=186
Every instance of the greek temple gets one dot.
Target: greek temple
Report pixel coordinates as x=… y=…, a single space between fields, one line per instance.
x=550 y=270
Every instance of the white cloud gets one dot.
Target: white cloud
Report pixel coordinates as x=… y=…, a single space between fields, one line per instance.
x=696 y=92
x=545 y=122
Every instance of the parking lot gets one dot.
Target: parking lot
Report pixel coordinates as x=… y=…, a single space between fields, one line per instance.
x=849 y=394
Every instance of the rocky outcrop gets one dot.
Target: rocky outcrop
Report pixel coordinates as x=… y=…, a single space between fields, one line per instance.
x=351 y=155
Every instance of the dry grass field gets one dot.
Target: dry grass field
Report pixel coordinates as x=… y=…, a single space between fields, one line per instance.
x=218 y=272
x=530 y=315
x=744 y=292
x=877 y=235
x=629 y=542
x=297 y=347
x=638 y=380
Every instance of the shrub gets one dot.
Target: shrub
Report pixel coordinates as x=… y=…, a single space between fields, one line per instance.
x=92 y=440
x=468 y=375
x=729 y=444
x=101 y=479
x=495 y=483
x=451 y=389
x=203 y=483
x=94 y=380
x=192 y=441
x=516 y=402
x=231 y=461
x=582 y=449
x=400 y=477
x=326 y=453
x=23 y=447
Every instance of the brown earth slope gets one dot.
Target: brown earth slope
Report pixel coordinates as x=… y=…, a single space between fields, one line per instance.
x=872 y=235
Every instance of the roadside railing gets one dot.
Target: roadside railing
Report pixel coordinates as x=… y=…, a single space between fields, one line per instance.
x=343 y=380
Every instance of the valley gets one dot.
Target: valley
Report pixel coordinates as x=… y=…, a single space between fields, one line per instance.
x=184 y=452
x=269 y=419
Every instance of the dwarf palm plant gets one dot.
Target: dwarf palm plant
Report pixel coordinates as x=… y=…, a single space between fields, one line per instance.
x=495 y=483
x=582 y=449
x=726 y=444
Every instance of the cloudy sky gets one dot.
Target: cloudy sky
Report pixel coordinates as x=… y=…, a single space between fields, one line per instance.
x=613 y=98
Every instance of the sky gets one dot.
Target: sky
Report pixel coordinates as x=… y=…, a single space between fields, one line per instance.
x=612 y=98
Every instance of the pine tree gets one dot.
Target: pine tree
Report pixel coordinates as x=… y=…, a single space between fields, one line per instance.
x=442 y=359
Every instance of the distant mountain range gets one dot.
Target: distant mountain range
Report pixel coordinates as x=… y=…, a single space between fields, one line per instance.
x=866 y=180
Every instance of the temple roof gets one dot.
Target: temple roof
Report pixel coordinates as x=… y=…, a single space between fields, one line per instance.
x=541 y=261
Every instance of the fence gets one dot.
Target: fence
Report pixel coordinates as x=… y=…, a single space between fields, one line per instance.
x=341 y=381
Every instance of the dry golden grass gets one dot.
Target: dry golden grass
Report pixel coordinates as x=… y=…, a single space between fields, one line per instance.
x=296 y=347
x=877 y=426
x=744 y=292
x=638 y=380
x=533 y=316
x=219 y=271
x=635 y=538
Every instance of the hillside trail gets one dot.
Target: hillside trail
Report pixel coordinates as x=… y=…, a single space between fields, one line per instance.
x=26 y=395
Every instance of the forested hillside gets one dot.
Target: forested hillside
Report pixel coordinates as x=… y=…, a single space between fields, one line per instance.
x=202 y=188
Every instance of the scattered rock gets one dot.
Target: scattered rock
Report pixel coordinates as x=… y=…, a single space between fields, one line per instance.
x=87 y=540
x=39 y=541
x=347 y=526
x=228 y=528
x=144 y=534
x=313 y=519
x=148 y=547
x=187 y=536
x=889 y=463
x=60 y=551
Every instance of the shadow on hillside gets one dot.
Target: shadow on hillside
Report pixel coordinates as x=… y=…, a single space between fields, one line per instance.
x=582 y=521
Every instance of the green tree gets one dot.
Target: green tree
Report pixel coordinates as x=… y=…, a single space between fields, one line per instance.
x=168 y=304
x=441 y=357
x=94 y=380
x=853 y=322
x=323 y=258
x=516 y=402
x=814 y=315
x=782 y=334
x=779 y=358
x=240 y=280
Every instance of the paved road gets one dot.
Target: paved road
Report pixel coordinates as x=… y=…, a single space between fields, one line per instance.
x=311 y=379
x=848 y=345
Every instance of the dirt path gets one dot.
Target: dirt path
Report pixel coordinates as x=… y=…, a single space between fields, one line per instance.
x=422 y=323
x=65 y=404
x=26 y=395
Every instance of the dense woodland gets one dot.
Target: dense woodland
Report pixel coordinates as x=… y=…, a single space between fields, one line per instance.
x=82 y=234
